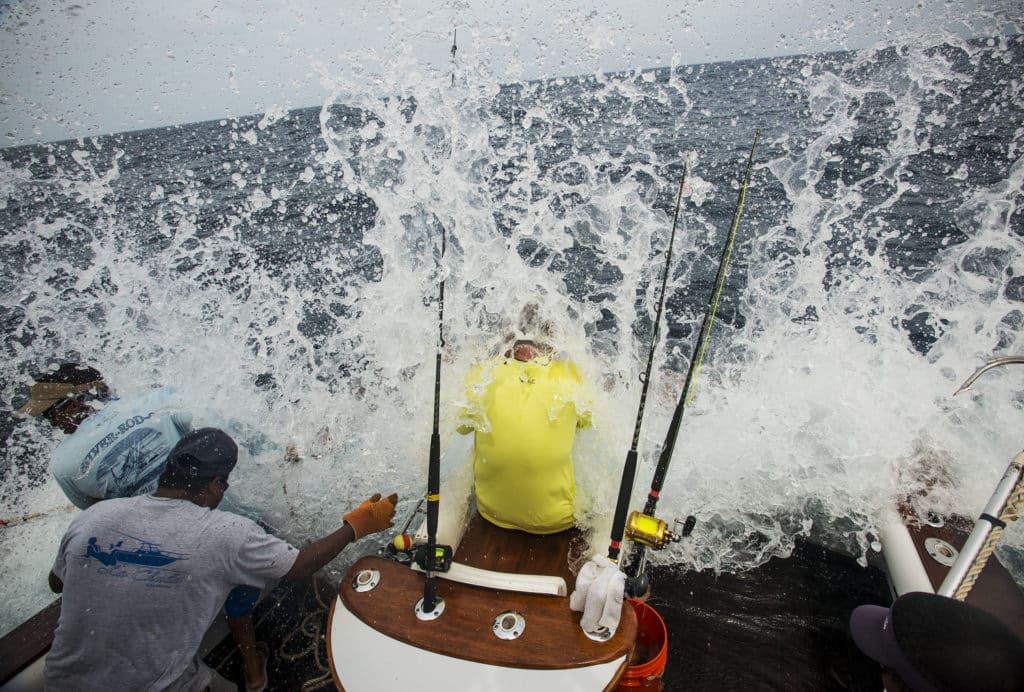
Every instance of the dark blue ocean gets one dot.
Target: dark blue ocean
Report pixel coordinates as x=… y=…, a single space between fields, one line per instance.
x=281 y=271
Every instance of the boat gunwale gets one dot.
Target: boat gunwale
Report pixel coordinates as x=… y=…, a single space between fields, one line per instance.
x=457 y=631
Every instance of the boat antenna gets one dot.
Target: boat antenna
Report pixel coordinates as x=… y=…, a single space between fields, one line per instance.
x=644 y=529
x=629 y=469
x=431 y=606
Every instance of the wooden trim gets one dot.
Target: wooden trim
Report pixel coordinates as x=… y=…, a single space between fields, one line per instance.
x=28 y=641
x=552 y=638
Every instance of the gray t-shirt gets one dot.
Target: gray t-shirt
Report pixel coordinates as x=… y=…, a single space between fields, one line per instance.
x=144 y=577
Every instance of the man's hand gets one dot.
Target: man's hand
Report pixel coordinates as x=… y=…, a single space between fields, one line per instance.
x=372 y=515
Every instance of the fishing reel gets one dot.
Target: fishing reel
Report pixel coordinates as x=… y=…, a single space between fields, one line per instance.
x=654 y=533
x=408 y=549
x=439 y=561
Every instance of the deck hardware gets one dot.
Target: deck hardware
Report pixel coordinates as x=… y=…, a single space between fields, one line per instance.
x=941 y=551
x=509 y=625
x=365 y=580
x=926 y=516
x=427 y=615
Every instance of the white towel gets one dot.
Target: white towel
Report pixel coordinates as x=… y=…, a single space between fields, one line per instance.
x=598 y=594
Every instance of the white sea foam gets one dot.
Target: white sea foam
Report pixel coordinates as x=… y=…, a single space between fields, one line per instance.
x=803 y=423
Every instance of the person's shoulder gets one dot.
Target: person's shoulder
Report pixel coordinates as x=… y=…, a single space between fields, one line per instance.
x=231 y=524
x=106 y=509
x=484 y=372
x=116 y=504
x=232 y=533
x=564 y=368
x=480 y=369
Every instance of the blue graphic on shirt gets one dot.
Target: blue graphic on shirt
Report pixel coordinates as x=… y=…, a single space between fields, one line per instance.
x=147 y=554
x=133 y=464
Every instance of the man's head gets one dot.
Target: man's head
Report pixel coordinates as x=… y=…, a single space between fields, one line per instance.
x=531 y=337
x=935 y=643
x=525 y=350
x=199 y=465
x=62 y=397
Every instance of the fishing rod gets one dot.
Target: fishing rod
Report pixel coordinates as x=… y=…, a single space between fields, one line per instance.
x=644 y=529
x=434 y=558
x=455 y=47
x=629 y=469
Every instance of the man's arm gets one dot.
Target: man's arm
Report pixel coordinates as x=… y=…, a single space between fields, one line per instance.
x=373 y=515
x=317 y=554
x=56 y=585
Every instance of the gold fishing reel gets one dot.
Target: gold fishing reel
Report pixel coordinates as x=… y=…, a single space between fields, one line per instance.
x=653 y=532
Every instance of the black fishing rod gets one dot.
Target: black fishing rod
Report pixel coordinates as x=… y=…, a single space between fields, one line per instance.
x=432 y=558
x=644 y=529
x=629 y=469
x=455 y=47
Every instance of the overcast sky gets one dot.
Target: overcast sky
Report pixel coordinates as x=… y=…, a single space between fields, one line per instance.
x=85 y=67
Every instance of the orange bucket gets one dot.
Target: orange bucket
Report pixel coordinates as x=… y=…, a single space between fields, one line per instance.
x=650 y=653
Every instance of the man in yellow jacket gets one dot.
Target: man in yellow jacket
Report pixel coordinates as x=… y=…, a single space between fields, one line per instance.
x=524 y=409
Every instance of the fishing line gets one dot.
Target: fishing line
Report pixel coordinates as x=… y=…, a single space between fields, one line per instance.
x=629 y=469
x=22 y=518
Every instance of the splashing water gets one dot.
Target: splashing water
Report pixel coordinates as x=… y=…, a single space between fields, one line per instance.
x=281 y=272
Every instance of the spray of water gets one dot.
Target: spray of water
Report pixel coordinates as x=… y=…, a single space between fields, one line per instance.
x=280 y=273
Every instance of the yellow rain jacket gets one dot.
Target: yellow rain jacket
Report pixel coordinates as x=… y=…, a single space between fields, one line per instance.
x=525 y=417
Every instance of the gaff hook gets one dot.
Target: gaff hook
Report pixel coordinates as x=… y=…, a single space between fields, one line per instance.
x=994 y=363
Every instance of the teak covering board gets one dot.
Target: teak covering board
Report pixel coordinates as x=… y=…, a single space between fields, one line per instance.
x=552 y=637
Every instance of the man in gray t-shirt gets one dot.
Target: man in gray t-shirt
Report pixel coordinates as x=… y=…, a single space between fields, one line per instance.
x=144 y=577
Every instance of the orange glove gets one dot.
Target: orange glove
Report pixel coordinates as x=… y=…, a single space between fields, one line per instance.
x=372 y=515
